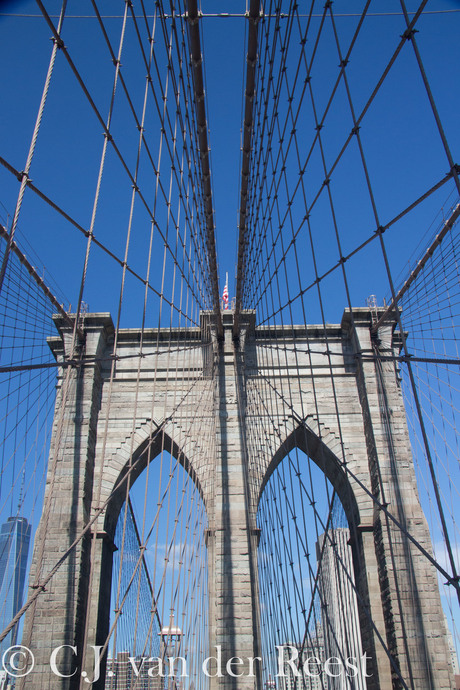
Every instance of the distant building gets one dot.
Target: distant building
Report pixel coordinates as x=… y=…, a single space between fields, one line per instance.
x=340 y=619
x=14 y=551
x=124 y=674
x=312 y=647
x=270 y=684
x=453 y=655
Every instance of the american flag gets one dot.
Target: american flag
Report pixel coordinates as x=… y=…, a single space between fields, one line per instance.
x=225 y=293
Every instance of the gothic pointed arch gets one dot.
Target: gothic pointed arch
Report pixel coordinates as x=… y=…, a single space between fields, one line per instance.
x=323 y=447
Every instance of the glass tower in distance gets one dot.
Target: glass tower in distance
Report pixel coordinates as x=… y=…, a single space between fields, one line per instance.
x=14 y=551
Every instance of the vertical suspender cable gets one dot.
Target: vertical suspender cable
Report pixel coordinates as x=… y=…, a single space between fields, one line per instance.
x=251 y=59
x=198 y=88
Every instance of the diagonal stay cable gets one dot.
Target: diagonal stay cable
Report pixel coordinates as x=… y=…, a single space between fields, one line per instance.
x=99 y=117
x=450 y=580
x=95 y=241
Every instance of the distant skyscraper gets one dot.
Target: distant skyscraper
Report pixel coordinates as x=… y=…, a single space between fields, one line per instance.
x=313 y=646
x=14 y=551
x=341 y=630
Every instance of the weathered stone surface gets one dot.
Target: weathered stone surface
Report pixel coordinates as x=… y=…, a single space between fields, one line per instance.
x=315 y=393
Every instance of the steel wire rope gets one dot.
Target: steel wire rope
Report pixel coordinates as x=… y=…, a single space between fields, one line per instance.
x=336 y=230
x=269 y=146
x=19 y=419
x=454 y=577
x=156 y=550
x=298 y=273
x=127 y=487
x=363 y=112
x=25 y=406
x=139 y=561
x=382 y=507
x=79 y=227
x=439 y=409
x=307 y=81
x=290 y=509
x=312 y=501
x=370 y=239
x=26 y=413
x=24 y=175
x=357 y=133
x=154 y=610
x=148 y=465
x=260 y=148
x=98 y=511
x=107 y=135
x=410 y=35
x=161 y=589
x=423 y=239
x=189 y=519
x=232 y=15
x=387 y=651
x=281 y=238
x=120 y=483
x=155 y=601
x=176 y=246
x=310 y=496
x=183 y=129
x=421 y=477
x=324 y=164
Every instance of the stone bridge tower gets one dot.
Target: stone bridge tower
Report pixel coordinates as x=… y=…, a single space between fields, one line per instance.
x=354 y=429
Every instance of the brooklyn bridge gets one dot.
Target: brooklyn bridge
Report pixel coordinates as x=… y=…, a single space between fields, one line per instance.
x=229 y=365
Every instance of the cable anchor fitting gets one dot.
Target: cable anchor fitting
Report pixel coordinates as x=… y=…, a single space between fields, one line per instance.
x=58 y=41
x=194 y=20
x=22 y=175
x=409 y=33
x=453 y=581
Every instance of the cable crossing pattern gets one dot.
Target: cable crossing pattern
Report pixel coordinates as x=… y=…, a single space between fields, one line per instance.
x=256 y=497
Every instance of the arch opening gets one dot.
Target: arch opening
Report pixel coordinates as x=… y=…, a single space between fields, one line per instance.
x=152 y=447
x=303 y=439
x=157 y=587
x=308 y=563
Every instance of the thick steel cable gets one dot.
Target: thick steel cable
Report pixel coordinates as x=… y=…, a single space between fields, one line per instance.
x=95 y=240
x=108 y=136
x=272 y=193
x=195 y=50
x=41 y=585
x=25 y=173
x=251 y=58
